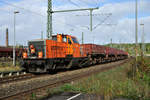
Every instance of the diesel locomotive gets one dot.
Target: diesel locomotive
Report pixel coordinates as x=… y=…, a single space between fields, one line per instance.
x=64 y=52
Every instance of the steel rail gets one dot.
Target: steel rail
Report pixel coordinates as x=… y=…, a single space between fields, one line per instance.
x=16 y=78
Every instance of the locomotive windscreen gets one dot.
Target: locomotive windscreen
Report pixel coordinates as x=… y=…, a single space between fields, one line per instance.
x=38 y=46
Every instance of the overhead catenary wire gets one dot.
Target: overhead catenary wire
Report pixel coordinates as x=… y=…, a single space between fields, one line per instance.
x=10 y=4
x=4 y=10
x=98 y=3
x=101 y=22
x=97 y=14
x=88 y=3
x=73 y=3
x=87 y=11
x=30 y=11
x=77 y=6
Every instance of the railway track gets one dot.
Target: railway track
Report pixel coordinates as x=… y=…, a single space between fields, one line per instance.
x=59 y=81
x=16 y=78
x=24 y=76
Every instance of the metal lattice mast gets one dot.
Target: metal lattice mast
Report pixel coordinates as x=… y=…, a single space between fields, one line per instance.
x=136 y=28
x=49 y=19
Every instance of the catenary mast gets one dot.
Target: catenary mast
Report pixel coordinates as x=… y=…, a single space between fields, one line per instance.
x=49 y=19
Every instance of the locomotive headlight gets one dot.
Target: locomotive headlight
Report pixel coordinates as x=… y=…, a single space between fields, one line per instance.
x=40 y=54
x=32 y=50
x=25 y=55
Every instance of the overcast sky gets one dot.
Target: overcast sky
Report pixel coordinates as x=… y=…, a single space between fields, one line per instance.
x=32 y=19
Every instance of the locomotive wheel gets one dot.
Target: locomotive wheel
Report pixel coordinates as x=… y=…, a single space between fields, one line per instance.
x=52 y=70
x=100 y=60
x=94 y=61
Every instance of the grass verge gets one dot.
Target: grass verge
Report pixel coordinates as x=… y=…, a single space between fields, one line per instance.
x=111 y=84
x=10 y=69
x=6 y=65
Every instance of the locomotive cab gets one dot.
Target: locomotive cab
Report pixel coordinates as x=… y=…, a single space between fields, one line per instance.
x=36 y=49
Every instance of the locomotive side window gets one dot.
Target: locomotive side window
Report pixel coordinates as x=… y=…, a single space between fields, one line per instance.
x=75 y=40
x=54 y=38
x=64 y=39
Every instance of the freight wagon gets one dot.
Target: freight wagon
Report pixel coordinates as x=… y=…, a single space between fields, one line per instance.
x=8 y=52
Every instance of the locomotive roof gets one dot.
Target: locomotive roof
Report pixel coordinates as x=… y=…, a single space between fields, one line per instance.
x=65 y=35
x=50 y=39
x=37 y=40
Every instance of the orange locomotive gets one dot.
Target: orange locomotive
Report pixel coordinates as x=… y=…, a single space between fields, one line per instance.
x=64 y=51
